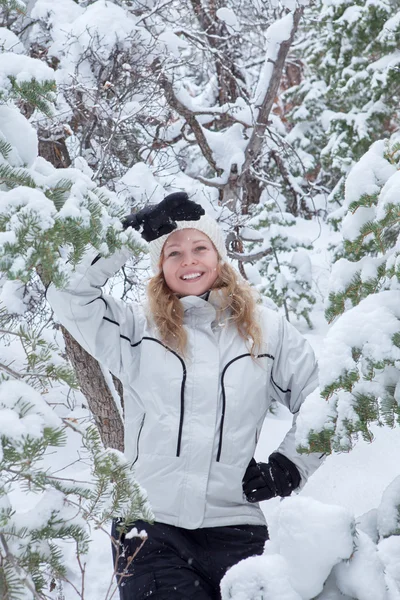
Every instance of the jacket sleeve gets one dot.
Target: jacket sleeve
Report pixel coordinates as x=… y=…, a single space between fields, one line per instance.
x=294 y=376
x=104 y=326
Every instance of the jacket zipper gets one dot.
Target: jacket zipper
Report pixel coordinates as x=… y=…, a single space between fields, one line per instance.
x=138 y=439
x=221 y=431
x=182 y=396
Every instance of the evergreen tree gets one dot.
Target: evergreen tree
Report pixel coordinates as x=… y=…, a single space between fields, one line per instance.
x=359 y=368
x=48 y=217
x=349 y=93
x=31 y=541
x=285 y=270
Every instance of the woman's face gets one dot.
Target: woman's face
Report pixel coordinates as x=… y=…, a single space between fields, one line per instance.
x=189 y=262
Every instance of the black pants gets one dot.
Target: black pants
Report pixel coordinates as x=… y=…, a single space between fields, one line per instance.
x=182 y=564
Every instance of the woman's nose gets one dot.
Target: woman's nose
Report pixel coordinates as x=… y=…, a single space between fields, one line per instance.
x=188 y=259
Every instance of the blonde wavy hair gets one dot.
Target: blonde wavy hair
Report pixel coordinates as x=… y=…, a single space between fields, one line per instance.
x=167 y=310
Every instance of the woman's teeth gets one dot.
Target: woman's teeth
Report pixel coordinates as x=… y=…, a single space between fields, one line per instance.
x=191 y=276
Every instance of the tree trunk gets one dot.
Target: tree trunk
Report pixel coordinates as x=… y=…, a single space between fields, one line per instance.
x=88 y=371
x=97 y=392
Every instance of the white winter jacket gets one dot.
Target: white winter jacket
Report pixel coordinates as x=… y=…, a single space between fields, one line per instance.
x=191 y=424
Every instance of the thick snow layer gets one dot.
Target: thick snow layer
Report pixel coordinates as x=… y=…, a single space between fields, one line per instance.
x=308 y=539
x=389 y=553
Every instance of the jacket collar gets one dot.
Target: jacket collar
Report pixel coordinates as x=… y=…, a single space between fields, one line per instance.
x=204 y=307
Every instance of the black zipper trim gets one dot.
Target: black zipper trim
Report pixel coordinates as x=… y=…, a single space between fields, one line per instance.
x=138 y=439
x=98 y=298
x=221 y=432
x=182 y=410
x=279 y=388
x=184 y=373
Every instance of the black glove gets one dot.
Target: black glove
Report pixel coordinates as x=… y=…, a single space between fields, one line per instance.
x=155 y=220
x=278 y=477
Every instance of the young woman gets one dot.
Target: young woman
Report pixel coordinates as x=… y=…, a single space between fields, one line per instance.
x=200 y=364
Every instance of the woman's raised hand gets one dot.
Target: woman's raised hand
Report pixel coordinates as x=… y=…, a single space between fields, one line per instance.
x=156 y=220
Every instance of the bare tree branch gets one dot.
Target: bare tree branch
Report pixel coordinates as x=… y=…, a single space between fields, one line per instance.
x=257 y=137
x=187 y=114
x=249 y=257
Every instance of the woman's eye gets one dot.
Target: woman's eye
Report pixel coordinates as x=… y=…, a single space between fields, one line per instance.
x=200 y=248
x=173 y=253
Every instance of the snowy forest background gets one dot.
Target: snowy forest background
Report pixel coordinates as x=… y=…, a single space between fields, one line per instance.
x=282 y=119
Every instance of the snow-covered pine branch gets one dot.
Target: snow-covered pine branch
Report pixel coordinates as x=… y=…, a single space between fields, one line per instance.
x=60 y=507
x=359 y=365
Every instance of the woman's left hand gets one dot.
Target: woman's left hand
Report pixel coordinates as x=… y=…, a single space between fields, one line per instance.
x=263 y=481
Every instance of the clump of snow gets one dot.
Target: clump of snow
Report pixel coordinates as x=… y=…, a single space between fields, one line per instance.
x=307 y=539
x=140 y=183
x=388 y=195
x=227 y=15
x=302 y=263
x=258 y=578
x=173 y=43
x=23 y=69
x=19 y=133
x=367 y=177
x=369 y=327
x=24 y=412
x=389 y=553
x=9 y=42
x=312 y=537
x=388 y=518
x=362 y=577
x=316 y=414
x=28 y=201
x=252 y=274
x=12 y=296
x=135 y=533
x=100 y=27
x=351 y=15
x=389 y=29
x=228 y=147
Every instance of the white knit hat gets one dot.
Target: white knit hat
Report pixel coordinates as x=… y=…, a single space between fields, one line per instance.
x=205 y=224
